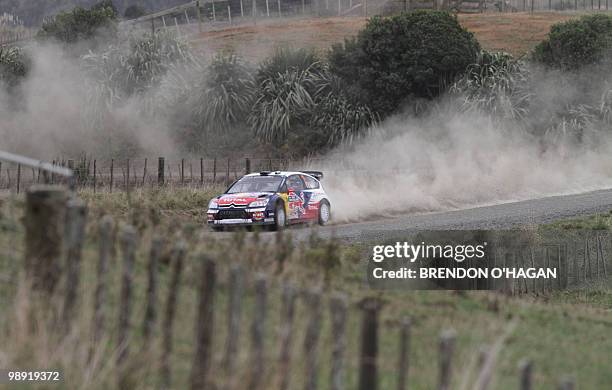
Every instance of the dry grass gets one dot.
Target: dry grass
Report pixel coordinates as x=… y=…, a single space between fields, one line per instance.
x=516 y=33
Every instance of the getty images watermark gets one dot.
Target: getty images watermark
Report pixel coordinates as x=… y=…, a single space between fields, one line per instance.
x=457 y=261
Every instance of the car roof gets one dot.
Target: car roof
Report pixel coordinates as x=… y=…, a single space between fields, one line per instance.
x=280 y=173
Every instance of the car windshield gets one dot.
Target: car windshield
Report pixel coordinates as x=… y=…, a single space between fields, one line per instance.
x=256 y=184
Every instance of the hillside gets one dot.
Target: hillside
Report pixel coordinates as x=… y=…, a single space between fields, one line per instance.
x=516 y=33
x=32 y=12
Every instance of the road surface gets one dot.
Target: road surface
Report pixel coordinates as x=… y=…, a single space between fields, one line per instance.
x=500 y=216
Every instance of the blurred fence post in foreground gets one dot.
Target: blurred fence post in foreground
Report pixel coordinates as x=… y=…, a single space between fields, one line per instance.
x=44 y=232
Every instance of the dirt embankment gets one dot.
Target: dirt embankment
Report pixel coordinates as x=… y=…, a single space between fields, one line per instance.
x=516 y=33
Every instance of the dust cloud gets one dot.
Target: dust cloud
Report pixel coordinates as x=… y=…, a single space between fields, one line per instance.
x=451 y=159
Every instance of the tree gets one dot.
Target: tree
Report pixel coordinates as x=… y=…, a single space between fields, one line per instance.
x=416 y=54
x=575 y=43
x=134 y=11
x=80 y=23
x=14 y=65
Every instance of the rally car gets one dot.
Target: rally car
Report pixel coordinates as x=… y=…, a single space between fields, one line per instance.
x=274 y=199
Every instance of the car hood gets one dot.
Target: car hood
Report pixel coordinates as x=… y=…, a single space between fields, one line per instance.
x=241 y=199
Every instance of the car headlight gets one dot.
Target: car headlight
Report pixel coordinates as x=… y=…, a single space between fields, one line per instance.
x=259 y=203
x=213 y=204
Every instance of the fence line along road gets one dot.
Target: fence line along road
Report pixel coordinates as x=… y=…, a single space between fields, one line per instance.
x=360 y=362
x=124 y=174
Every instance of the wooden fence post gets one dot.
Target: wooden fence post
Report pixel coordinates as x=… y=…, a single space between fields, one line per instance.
x=44 y=231
x=338 y=308
x=286 y=334
x=233 y=320
x=199 y=14
x=257 y=333
x=144 y=172
x=150 y=315
x=204 y=325
x=313 y=302
x=76 y=215
x=95 y=176
x=111 y=174
x=128 y=247
x=201 y=171
x=161 y=165
x=446 y=350
x=404 y=356
x=215 y=170
x=105 y=251
x=171 y=303
x=127 y=181
x=566 y=384
x=18 y=177
x=368 y=370
x=182 y=171
x=247 y=164
x=526 y=373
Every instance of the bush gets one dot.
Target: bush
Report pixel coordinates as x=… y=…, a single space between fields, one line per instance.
x=416 y=54
x=227 y=93
x=80 y=23
x=134 y=12
x=497 y=84
x=14 y=66
x=575 y=43
x=286 y=59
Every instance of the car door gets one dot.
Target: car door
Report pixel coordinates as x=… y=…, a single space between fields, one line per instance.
x=295 y=196
x=312 y=190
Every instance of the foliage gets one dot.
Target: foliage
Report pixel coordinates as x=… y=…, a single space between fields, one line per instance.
x=575 y=43
x=498 y=84
x=285 y=59
x=80 y=23
x=120 y=71
x=283 y=102
x=301 y=106
x=14 y=65
x=134 y=11
x=226 y=94
x=415 y=54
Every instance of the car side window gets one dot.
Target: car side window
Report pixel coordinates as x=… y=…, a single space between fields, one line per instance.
x=311 y=184
x=295 y=183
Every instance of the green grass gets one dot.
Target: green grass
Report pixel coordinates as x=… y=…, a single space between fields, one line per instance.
x=564 y=333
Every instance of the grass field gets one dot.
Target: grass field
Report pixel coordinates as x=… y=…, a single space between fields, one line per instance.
x=563 y=333
x=516 y=33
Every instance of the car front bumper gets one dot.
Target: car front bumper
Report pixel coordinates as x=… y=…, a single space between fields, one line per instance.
x=252 y=217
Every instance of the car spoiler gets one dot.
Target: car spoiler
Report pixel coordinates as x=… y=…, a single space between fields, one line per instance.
x=316 y=174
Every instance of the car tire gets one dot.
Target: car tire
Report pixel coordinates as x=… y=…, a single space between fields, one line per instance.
x=324 y=213
x=280 y=217
x=217 y=228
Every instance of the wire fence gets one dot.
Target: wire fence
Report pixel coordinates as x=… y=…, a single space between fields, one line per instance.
x=125 y=174
x=250 y=323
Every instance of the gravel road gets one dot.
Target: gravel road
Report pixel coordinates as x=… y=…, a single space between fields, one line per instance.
x=500 y=216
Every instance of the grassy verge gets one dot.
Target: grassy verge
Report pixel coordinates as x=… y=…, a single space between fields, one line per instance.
x=563 y=333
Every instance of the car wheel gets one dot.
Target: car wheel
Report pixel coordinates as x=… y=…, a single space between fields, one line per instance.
x=280 y=218
x=217 y=228
x=324 y=213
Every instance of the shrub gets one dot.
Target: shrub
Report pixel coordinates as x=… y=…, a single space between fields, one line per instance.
x=286 y=59
x=497 y=84
x=80 y=23
x=14 y=65
x=415 y=54
x=575 y=43
x=224 y=97
x=134 y=11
